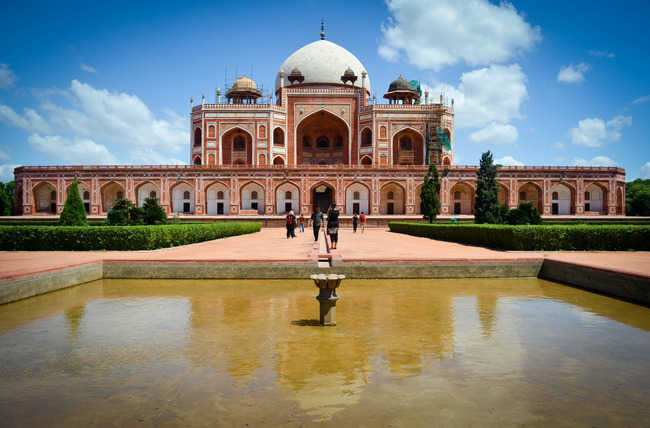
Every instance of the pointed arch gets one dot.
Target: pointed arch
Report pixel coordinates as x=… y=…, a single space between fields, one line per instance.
x=392 y=199
x=252 y=195
x=45 y=197
x=146 y=189
x=182 y=197
x=226 y=143
x=111 y=192
x=287 y=197
x=318 y=127
x=217 y=196
x=533 y=193
x=408 y=147
x=461 y=197
x=357 y=198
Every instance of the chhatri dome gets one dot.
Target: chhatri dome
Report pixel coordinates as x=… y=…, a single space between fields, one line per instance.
x=322 y=62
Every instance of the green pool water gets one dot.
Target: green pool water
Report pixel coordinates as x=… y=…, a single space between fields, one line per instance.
x=497 y=352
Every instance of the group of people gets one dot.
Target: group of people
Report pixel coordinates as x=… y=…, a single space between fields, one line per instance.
x=317 y=219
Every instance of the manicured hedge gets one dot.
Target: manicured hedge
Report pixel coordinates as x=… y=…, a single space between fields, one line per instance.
x=79 y=238
x=535 y=238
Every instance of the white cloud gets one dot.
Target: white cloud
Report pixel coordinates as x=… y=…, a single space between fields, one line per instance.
x=495 y=133
x=643 y=99
x=76 y=151
x=98 y=119
x=7 y=76
x=7 y=172
x=594 y=132
x=438 y=34
x=596 y=161
x=88 y=68
x=560 y=159
x=573 y=73
x=490 y=94
x=508 y=161
x=601 y=54
x=4 y=155
x=558 y=145
x=645 y=171
x=31 y=121
x=149 y=156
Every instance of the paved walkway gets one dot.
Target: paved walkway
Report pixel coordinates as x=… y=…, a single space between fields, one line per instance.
x=271 y=245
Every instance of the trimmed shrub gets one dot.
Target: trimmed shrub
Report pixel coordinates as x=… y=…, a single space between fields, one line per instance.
x=153 y=213
x=124 y=213
x=74 y=212
x=79 y=238
x=535 y=237
x=525 y=214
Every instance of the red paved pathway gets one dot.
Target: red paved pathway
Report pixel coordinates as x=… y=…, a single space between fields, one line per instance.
x=271 y=245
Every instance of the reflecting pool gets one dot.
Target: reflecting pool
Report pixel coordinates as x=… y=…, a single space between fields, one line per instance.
x=405 y=353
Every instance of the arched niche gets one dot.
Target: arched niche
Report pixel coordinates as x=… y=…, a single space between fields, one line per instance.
x=532 y=193
x=183 y=198
x=595 y=199
x=237 y=147
x=322 y=138
x=366 y=137
x=197 y=137
x=278 y=137
x=287 y=198
x=278 y=161
x=45 y=198
x=147 y=190
x=111 y=192
x=252 y=197
x=217 y=196
x=366 y=161
x=408 y=148
x=461 y=197
x=357 y=199
x=392 y=199
x=562 y=200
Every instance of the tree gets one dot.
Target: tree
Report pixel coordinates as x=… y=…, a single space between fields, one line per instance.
x=74 y=213
x=153 y=213
x=6 y=199
x=486 y=206
x=430 y=193
x=637 y=195
x=124 y=213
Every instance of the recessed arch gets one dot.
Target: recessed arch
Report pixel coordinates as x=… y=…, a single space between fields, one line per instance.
x=322 y=194
x=595 y=198
x=197 y=160
x=227 y=153
x=392 y=199
x=197 y=137
x=45 y=198
x=182 y=198
x=217 y=196
x=408 y=147
x=252 y=197
x=531 y=192
x=562 y=199
x=145 y=190
x=287 y=198
x=504 y=194
x=366 y=137
x=366 y=161
x=317 y=127
x=357 y=198
x=278 y=161
x=278 y=137
x=461 y=197
x=111 y=192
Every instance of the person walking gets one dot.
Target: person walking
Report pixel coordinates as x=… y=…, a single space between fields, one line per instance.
x=301 y=223
x=291 y=225
x=362 y=220
x=316 y=222
x=333 y=225
x=355 y=221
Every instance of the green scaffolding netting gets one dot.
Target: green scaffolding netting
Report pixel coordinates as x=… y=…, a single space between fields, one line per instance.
x=442 y=137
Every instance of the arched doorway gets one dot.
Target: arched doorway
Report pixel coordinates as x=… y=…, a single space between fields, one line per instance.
x=197 y=161
x=366 y=161
x=561 y=200
x=620 y=202
x=595 y=199
x=322 y=139
x=322 y=195
x=418 y=199
x=45 y=198
x=217 y=197
x=252 y=197
x=183 y=198
x=357 y=199
x=147 y=190
x=111 y=193
x=392 y=199
x=287 y=198
x=532 y=193
x=366 y=138
x=278 y=161
x=408 y=148
x=197 y=137
x=237 y=147
x=84 y=194
x=462 y=199
x=503 y=195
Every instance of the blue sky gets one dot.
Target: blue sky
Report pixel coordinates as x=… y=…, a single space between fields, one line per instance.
x=537 y=83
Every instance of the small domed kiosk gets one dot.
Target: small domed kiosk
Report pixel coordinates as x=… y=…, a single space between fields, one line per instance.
x=400 y=91
x=243 y=91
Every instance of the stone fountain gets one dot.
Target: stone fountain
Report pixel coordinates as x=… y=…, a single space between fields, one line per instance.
x=327 y=285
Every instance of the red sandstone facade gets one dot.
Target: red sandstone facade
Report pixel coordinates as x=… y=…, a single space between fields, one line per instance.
x=322 y=141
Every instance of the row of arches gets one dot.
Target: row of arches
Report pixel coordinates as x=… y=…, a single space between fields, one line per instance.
x=287 y=196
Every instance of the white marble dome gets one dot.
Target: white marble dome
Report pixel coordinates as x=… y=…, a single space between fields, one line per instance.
x=322 y=62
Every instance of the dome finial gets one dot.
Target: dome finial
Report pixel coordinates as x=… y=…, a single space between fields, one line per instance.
x=322 y=29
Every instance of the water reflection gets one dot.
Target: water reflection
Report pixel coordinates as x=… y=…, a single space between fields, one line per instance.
x=220 y=352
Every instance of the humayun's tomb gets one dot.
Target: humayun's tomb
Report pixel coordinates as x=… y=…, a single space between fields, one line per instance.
x=324 y=139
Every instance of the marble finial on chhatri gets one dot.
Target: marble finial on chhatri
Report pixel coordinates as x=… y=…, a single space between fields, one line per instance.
x=322 y=29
